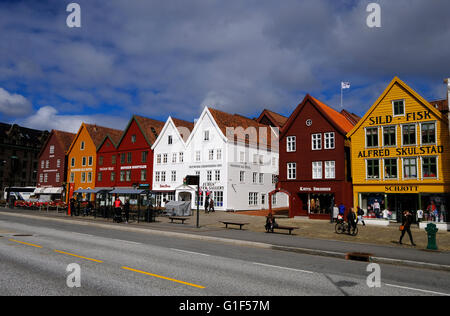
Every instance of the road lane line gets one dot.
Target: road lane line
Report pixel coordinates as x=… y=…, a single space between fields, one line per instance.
x=77 y=256
x=414 y=289
x=284 y=268
x=128 y=242
x=25 y=243
x=191 y=252
x=163 y=277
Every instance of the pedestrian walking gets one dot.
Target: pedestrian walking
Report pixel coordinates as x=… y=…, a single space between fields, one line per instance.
x=419 y=216
x=117 y=210
x=126 y=209
x=207 y=205
x=72 y=206
x=211 y=205
x=335 y=212
x=351 y=219
x=406 y=227
x=360 y=214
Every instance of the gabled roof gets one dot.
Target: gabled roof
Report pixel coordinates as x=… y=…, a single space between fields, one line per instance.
x=150 y=128
x=63 y=138
x=113 y=136
x=97 y=134
x=352 y=117
x=224 y=120
x=413 y=93
x=338 y=120
x=277 y=120
x=178 y=126
x=441 y=105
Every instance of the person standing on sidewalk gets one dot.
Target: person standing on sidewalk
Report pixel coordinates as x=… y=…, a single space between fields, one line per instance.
x=126 y=209
x=360 y=214
x=351 y=219
x=406 y=225
x=207 y=204
x=335 y=213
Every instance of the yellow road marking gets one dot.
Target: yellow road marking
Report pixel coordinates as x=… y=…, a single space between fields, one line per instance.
x=71 y=254
x=163 y=277
x=25 y=243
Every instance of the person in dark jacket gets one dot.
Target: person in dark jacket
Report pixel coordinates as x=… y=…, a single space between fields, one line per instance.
x=406 y=223
x=72 y=206
x=207 y=204
x=270 y=223
x=126 y=209
x=351 y=219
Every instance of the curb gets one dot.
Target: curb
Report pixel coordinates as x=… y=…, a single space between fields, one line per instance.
x=307 y=251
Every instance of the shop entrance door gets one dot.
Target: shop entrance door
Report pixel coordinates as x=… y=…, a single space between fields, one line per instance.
x=398 y=203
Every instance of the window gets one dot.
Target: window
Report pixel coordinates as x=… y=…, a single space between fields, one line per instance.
x=58 y=163
x=329 y=140
x=316 y=141
x=158 y=159
x=72 y=177
x=47 y=164
x=82 y=145
x=113 y=176
x=72 y=162
x=255 y=159
x=128 y=174
x=274 y=199
x=218 y=198
x=143 y=175
x=129 y=157
x=209 y=175
x=41 y=177
x=429 y=167
x=157 y=176
x=261 y=178
x=133 y=139
x=99 y=177
x=255 y=176
x=398 y=107
x=428 y=131
x=169 y=140
x=291 y=171
x=390 y=169
x=42 y=164
x=122 y=175
x=45 y=177
x=89 y=177
x=206 y=135
x=113 y=159
x=90 y=161
x=330 y=169
x=317 y=170
x=83 y=161
x=100 y=160
x=242 y=156
x=373 y=169
x=83 y=177
x=274 y=178
x=165 y=158
x=173 y=176
x=409 y=134
x=57 y=177
x=217 y=175
x=122 y=158
x=242 y=176
x=219 y=154
x=144 y=156
x=263 y=199
x=52 y=149
x=197 y=156
x=372 y=137
x=291 y=145
x=389 y=136
x=181 y=157
x=174 y=157
x=163 y=176
x=252 y=198
x=410 y=168
x=211 y=154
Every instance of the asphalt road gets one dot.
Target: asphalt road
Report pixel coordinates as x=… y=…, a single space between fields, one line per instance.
x=129 y=263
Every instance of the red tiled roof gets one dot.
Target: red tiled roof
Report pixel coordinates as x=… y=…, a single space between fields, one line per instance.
x=98 y=133
x=352 y=117
x=64 y=138
x=339 y=119
x=225 y=120
x=277 y=119
x=441 y=105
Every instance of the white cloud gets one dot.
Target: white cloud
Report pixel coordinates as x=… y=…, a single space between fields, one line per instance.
x=14 y=104
x=47 y=118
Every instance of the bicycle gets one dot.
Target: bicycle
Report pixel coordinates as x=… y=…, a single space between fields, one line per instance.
x=342 y=227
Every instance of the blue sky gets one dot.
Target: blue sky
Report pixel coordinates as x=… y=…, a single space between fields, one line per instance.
x=173 y=57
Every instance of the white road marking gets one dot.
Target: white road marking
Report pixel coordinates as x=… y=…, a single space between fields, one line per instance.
x=128 y=242
x=191 y=252
x=284 y=268
x=414 y=289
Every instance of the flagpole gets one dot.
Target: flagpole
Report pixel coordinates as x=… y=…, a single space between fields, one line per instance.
x=341 y=96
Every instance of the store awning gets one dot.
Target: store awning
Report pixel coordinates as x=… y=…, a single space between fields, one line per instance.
x=55 y=190
x=102 y=190
x=38 y=190
x=127 y=191
x=84 y=191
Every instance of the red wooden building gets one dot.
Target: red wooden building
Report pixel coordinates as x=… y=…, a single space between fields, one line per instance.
x=106 y=167
x=52 y=165
x=315 y=159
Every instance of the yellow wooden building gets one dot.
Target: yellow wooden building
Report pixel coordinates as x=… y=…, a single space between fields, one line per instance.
x=400 y=154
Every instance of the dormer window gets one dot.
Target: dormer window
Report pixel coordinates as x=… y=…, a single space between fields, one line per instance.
x=133 y=138
x=170 y=140
x=206 y=135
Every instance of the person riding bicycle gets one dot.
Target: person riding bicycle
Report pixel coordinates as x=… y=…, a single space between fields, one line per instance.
x=351 y=219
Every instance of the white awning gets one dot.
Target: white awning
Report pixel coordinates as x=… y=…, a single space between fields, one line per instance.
x=38 y=190
x=55 y=190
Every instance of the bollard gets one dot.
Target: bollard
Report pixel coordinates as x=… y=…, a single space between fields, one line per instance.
x=431 y=233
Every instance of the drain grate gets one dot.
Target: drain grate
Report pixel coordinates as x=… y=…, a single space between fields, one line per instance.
x=358 y=256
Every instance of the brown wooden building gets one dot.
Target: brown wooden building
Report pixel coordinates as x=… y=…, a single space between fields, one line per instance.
x=315 y=159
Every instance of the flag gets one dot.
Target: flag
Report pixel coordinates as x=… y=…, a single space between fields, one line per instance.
x=345 y=85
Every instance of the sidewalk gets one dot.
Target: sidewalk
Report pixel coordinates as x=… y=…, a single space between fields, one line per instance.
x=315 y=237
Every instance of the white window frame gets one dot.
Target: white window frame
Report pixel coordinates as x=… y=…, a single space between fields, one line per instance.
x=384 y=171
x=291 y=170
x=404 y=108
x=316 y=139
x=291 y=144
x=316 y=166
x=435 y=131
x=241 y=176
x=401 y=131
x=326 y=137
x=382 y=135
x=330 y=169
x=417 y=168
x=380 y=170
